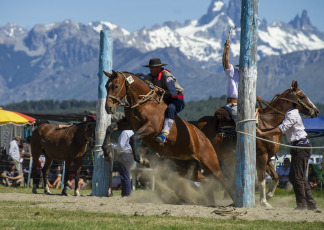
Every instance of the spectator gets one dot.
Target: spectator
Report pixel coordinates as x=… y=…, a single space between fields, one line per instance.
x=25 y=148
x=25 y=153
x=283 y=173
x=125 y=159
x=54 y=177
x=12 y=177
x=71 y=181
x=15 y=153
x=313 y=177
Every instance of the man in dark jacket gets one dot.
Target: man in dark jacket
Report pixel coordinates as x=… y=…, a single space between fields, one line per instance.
x=173 y=94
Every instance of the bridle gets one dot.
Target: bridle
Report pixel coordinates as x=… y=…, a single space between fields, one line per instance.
x=145 y=98
x=280 y=98
x=125 y=82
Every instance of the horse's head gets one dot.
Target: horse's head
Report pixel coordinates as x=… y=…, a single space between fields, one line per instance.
x=305 y=106
x=116 y=90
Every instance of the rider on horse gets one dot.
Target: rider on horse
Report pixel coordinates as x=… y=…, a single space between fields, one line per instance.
x=232 y=86
x=173 y=94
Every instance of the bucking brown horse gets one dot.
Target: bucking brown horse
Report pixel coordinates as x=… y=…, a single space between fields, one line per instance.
x=66 y=144
x=268 y=118
x=144 y=113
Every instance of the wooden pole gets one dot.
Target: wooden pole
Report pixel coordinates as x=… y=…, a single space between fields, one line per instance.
x=246 y=145
x=100 y=178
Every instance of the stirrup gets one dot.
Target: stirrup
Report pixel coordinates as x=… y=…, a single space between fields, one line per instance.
x=161 y=139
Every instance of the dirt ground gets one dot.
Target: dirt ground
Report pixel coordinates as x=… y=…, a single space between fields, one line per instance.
x=146 y=203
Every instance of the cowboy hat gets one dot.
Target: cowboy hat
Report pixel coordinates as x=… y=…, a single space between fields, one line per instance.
x=292 y=98
x=154 y=62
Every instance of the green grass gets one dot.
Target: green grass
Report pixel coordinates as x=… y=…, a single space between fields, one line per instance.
x=23 y=215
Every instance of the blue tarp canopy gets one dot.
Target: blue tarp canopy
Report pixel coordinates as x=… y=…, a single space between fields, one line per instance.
x=314 y=125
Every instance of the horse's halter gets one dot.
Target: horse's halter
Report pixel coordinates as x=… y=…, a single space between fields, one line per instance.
x=126 y=104
x=299 y=101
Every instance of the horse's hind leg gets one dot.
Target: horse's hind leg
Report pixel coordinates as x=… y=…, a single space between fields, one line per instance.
x=48 y=163
x=211 y=164
x=275 y=180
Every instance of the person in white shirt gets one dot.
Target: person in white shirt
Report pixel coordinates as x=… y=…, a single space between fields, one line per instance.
x=292 y=126
x=232 y=85
x=125 y=159
x=14 y=152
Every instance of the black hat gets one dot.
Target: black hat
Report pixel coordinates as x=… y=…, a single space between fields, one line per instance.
x=154 y=62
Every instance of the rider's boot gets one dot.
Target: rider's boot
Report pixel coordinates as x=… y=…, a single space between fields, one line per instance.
x=162 y=137
x=165 y=131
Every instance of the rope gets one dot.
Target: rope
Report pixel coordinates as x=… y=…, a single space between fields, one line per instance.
x=273 y=142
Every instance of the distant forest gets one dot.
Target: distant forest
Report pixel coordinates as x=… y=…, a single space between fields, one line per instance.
x=192 y=112
x=193 y=109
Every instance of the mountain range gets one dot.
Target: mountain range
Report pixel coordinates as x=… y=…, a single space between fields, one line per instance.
x=60 y=60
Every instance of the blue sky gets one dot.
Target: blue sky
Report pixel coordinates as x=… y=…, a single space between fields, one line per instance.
x=134 y=14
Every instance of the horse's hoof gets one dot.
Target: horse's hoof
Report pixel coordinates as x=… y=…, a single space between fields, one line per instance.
x=48 y=193
x=34 y=191
x=145 y=162
x=269 y=197
x=64 y=194
x=266 y=205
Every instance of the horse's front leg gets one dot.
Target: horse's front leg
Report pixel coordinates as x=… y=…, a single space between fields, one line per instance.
x=106 y=143
x=261 y=169
x=142 y=132
x=275 y=180
x=78 y=165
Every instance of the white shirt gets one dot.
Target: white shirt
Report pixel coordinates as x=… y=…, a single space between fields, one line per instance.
x=293 y=126
x=123 y=141
x=14 y=150
x=233 y=80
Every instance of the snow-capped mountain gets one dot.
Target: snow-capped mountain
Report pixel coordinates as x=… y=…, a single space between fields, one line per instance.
x=60 y=60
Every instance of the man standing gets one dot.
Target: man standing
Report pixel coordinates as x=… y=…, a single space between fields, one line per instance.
x=15 y=153
x=232 y=85
x=173 y=94
x=292 y=126
x=12 y=177
x=125 y=159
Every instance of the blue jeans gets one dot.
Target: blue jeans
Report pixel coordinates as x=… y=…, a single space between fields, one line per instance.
x=125 y=160
x=175 y=106
x=232 y=109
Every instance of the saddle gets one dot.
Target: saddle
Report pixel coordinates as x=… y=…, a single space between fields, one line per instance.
x=225 y=125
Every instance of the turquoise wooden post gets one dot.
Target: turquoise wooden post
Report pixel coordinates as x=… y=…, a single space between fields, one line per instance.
x=100 y=178
x=246 y=145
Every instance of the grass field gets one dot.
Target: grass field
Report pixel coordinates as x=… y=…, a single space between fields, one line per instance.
x=24 y=215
